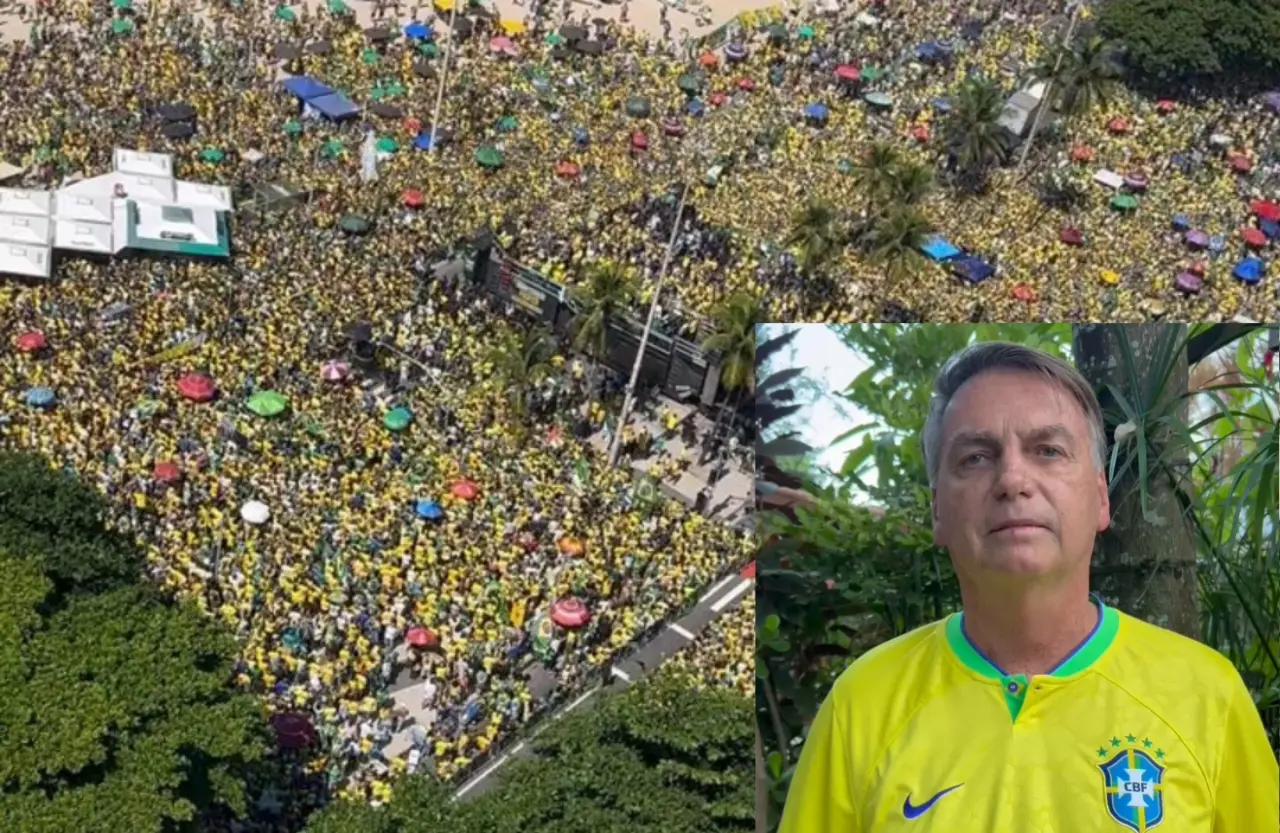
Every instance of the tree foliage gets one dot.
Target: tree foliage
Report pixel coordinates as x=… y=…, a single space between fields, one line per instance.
x=1171 y=40
x=658 y=758
x=118 y=713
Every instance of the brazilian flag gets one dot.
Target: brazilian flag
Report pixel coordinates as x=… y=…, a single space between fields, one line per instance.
x=544 y=632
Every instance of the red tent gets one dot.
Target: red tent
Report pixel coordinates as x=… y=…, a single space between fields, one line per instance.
x=1071 y=236
x=718 y=99
x=639 y=141
x=567 y=169
x=421 y=637
x=413 y=198
x=196 y=386
x=293 y=730
x=745 y=83
x=465 y=489
x=167 y=472
x=1253 y=237
x=708 y=59
x=1165 y=106
x=570 y=612
x=847 y=72
x=1266 y=210
x=31 y=341
x=1241 y=164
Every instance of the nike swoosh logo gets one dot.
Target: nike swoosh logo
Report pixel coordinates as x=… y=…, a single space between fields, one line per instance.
x=918 y=811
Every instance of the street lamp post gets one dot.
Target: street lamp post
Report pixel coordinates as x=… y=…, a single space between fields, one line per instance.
x=1047 y=101
x=629 y=400
x=444 y=73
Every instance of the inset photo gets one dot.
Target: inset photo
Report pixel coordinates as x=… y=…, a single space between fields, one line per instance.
x=1017 y=572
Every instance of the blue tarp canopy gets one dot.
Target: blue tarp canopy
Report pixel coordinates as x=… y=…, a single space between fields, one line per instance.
x=1250 y=270
x=939 y=248
x=972 y=269
x=428 y=509
x=306 y=87
x=418 y=31
x=816 y=110
x=335 y=106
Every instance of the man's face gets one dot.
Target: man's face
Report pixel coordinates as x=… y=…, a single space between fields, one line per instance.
x=1017 y=493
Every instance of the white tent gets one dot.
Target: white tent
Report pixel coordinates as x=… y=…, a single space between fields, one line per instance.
x=31 y=203
x=90 y=208
x=255 y=512
x=1111 y=179
x=17 y=228
x=200 y=195
x=158 y=165
x=28 y=261
x=84 y=237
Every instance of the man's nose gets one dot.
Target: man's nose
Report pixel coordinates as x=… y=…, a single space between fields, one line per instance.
x=1013 y=476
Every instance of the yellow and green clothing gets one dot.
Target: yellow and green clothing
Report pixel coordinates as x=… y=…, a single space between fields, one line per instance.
x=1139 y=728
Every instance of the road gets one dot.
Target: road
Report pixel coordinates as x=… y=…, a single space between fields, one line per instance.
x=721 y=597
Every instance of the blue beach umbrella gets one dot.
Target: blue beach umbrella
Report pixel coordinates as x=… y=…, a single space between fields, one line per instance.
x=418 y=31
x=1250 y=270
x=816 y=111
x=428 y=509
x=39 y=397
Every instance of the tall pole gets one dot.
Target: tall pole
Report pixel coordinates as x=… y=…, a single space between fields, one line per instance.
x=629 y=400
x=1047 y=101
x=444 y=72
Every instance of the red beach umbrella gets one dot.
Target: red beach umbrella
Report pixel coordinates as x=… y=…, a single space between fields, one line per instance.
x=1164 y=106
x=412 y=198
x=412 y=125
x=920 y=133
x=1266 y=210
x=420 y=637
x=167 y=472
x=570 y=612
x=465 y=489
x=848 y=72
x=639 y=141
x=1081 y=153
x=1071 y=236
x=717 y=99
x=708 y=59
x=196 y=387
x=566 y=169
x=1253 y=237
x=747 y=84
x=1241 y=164
x=30 y=341
x=1024 y=293
x=1118 y=125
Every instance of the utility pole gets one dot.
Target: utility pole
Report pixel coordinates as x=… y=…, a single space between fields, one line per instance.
x=629 y=400
x=1047 y=101
x=444 y=72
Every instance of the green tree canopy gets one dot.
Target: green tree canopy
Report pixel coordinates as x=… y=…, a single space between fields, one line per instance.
x=1168 y=40
x=117 y=709
x=658 y=758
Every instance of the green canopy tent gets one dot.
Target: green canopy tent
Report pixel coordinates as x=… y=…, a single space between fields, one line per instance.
x=870 y=72
x=555 y=39
x=369 y=56
x=338 y=7
x=285 y=14
x=386 y=145
x=805 y=32
x=488 y=156
x=268 y=403
x=1124 y=202
x=121 y=26
x=293 y=127
x=638 y=107
x=122 y=5
x=331 y=148
x=397 y=419
x=506 y=124
x=211 y=155
x=428 y=50
x=354 y=224
x=882 y=100
x=690 y=83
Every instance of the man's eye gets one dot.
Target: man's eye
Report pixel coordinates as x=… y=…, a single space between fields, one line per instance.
x=1051 y=451
x=973 y=459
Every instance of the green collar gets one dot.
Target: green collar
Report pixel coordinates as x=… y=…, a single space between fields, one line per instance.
x=1014 y=686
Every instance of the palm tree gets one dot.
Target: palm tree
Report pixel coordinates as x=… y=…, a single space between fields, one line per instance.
x=733 y=336
x=607 y=294
x=911 y=182
x=975 y=139
x=875 y=174
x=814 y=233
x=1084 y=76
x=896 y=241
x=522 y=363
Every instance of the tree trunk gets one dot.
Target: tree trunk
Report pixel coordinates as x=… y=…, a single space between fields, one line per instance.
x=762 y=787
x=1145 y=570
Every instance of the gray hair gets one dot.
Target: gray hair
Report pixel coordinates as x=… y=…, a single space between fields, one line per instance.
x=1001 y=355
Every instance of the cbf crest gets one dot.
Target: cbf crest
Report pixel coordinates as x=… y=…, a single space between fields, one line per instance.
x=1134 y=785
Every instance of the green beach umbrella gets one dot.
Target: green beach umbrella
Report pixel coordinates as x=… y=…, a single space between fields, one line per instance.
x=386 y=145
x=293 y=127
x=428 y=50
x=354 y=224
x=397 y=419
x=378 y=94
x=844 y=166
x=213 y=155
x=638 y=107
x=1124 y=202
x=286 y=14
x=805 y=31
x=488 y=156
x=121 y=26
x=508 y=123
x=879 y=99
x=555 y=39
x=338 y=7
x=870 y=72
x=369 y=56
x=331 y=148
x=393 y=87
x=778 y=33
x=122 y=4
x=267 y=403
x=690 y=83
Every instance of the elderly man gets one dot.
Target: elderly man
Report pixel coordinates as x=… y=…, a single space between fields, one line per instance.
x=1038 y=708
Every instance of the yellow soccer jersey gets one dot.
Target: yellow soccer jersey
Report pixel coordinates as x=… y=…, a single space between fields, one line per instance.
x=1139 y=728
